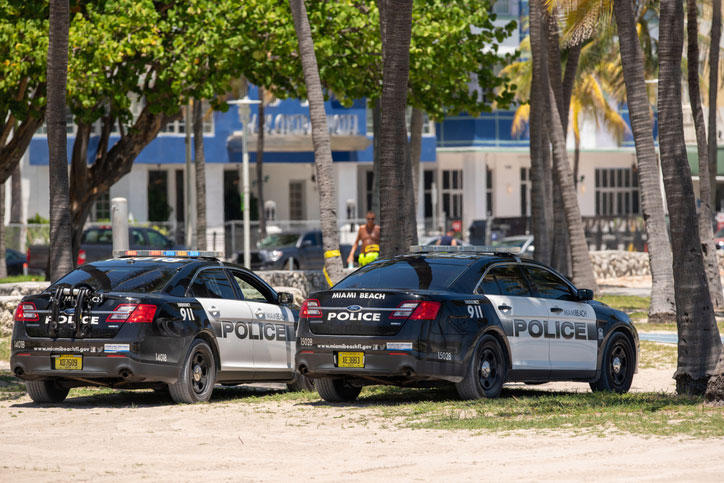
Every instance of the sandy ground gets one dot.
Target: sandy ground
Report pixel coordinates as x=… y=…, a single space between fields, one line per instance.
x=90 y=438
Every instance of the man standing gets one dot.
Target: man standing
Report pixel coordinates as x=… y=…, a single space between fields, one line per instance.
x=447 y=239
x=369 y=235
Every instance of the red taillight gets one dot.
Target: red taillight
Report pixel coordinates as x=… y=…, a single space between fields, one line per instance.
x=404 y=309
x=26 y=312
x=144 y=313
x=81 y=257
x=133 y=313
x=426 y=311
x=310 y=309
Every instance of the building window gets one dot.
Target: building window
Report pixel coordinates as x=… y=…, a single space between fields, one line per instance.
x=296 y=200
x=428 y=125
x=617 y=192
x=452 y=193
x=102 y=208
x=502 y=7
x=525 y=191
x=428 y=179
x=489 y=190
x=369 y=190
x=178 y=127
x=232 y=198
x=158 y=207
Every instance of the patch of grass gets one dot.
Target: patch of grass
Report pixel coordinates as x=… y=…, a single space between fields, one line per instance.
x=639 y=316
x=22 y=278
x=627 y=303
x=643 y=326
x=11 y=388
x=4 y=348
x=599 y=413
x=655 y=355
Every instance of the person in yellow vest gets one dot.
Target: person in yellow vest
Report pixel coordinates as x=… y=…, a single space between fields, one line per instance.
x=369 y=235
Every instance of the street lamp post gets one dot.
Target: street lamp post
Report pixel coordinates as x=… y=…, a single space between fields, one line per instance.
x=244 y=112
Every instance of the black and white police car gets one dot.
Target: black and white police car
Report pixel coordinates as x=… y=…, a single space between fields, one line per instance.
x=180 y=320
x=472 y=316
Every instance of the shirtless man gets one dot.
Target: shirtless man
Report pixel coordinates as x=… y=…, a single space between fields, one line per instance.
x=369 y=235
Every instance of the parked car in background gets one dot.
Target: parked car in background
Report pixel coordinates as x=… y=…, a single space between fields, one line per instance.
x=14 y=261
x=97 y=244
x=290 y=250
x=522 y=242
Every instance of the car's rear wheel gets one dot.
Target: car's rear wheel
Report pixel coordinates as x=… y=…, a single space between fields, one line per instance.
x=301 y=383
x=486 y=372
x=198 y=375
x=336 y=389
x=617 y=367
x=46 y=391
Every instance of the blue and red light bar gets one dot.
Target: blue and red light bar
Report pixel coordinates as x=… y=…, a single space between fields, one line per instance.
x=167 y=253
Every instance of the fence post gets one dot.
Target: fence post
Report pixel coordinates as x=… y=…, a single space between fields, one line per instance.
x=119 y=223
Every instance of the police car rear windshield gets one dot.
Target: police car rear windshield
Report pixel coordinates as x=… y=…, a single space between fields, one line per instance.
x=411 y=273
x=118 y=278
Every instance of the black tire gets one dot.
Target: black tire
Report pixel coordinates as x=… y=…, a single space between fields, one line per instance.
x=301 y=383
x=198 y=375
x=617 y=366
x=336 y=389
x=46 y=391
x=486 y=372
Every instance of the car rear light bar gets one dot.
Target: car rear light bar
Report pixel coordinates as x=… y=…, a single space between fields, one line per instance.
x=167 y=253
x=133 y=313
x=26 y=312
x=427 y=310
x=310 y=309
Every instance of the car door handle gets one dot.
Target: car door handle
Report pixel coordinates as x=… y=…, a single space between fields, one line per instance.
x=556 y=309
x=259 y=313
x=504 y=308
x=215 y=313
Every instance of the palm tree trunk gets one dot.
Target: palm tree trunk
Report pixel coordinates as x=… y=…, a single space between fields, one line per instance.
x=320 y=140
x=540 y=199
x=708 y=249
x=3 y=264
x=260 y=167
x=416 y=126
x=569 y=79
x=376 y=121
x=60 y=259
x=16 y=209
x=200 y=165
x=699 y=343
x=713 y=92
x=395 y=73
x=410 y=219
x=662 y=307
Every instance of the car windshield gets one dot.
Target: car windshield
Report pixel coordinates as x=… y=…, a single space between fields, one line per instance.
x=126 y=278
x=279 y=240
x=412 y=273
x=510 y=242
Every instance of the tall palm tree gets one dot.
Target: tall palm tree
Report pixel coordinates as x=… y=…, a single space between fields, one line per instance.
x=705 y=213
x=320 y=140
x=200 y=171
x=699 y=344
x=396 y=32
x=3 y=265
x=713 y=92
x=662 y=308
x=60 y=258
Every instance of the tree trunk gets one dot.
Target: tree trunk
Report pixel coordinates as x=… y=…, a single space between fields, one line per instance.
x=569 y=79
x=260 y=167
x=540 y=195
x=320 y=140
x=200 y=172
x=561 y=258
x=3 y=264
x=376 y=122
x=60 y=260
x=79 y=182
x=409 y=194
x=416 y=127
x=708 y=249
x=699 y=343
x=581 y=266
x=662 y=307
x=713 y=92
x=395 y=72
x=12 y=152
x=16 y=209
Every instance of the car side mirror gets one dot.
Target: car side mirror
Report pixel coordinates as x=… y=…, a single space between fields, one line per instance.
x=285 y=298
x=584 y=294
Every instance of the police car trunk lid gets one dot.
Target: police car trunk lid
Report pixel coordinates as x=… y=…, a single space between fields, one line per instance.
x=360 y=312
x=102 y=315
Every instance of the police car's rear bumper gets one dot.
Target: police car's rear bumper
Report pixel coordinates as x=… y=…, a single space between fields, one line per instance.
x=29 y=366
x=391 y=366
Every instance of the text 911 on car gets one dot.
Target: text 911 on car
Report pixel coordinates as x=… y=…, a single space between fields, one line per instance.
x=158 y=319
x=473 y=316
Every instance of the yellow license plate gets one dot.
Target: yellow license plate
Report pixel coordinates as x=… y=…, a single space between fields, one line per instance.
x=350 y=359
x=68 y=363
